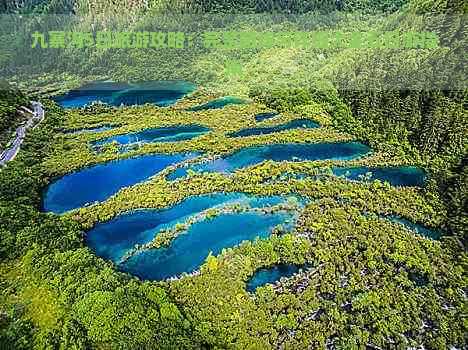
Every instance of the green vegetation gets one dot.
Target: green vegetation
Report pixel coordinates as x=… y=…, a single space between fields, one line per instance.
x=373 y=283
x=213 y=309
x=216 y=6
x=87 y=303
x=10 y=102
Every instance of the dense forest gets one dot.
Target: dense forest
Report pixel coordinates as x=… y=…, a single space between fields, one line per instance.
x=242 y=6
x=10 y=102
x=429 y=125
x=372 y=285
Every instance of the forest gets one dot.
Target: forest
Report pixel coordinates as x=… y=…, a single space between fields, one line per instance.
x=10 y=102
x=366 y=282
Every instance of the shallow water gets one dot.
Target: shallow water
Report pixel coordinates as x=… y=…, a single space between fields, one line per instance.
x=264 y=116
x=187 y=252
x=160 y=93
x=112 y=239
x=164 y=134
x=396 y=176
x=99 y=182
x=424 y=231
x=218 y=103
x=277 y=152
x=271 y=275
x=294 y=124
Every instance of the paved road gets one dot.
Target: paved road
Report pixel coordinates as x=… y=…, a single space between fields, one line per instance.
x=37 y=117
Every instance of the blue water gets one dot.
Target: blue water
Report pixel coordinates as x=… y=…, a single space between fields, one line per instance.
x=112 y=239
x=164 y=134
x=396 y=176
x=264 y=116
x=99 y=182
x=187 y=253
x=93 y=130
x=271 y=275
x=218 y=103
x=277 y=152
x=160 y=93
x=294 y=124
x=424 y=231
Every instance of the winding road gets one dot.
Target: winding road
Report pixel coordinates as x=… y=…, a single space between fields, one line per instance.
x=38 y=116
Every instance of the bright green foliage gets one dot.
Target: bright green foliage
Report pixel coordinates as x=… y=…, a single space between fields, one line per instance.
x=132 y=317
x=364 y=278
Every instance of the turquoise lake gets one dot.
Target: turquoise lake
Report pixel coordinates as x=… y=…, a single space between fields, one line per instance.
x=163 y=134
x=160 y=93
x=419 y=229
x=271 y=275
x=396 y=176
x=99 y=182
x=277 y=152
x=112 y=239
x=218 y=103
x=294 y=124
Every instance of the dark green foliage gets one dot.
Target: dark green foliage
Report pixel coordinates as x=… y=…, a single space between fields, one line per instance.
x=74 y=336
x=289 y=100
x=283 y=100
x=429 y=121
x=430 y=124
x=108 y=308
x=16 y=335
x=37 y=6
x=19 y=187
x=422 y=124
x=10 y=101
x=13 y=219
x=454 y=190
x=54 y=233
x=296 y=7
x=132 y=317
x=225 y=6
